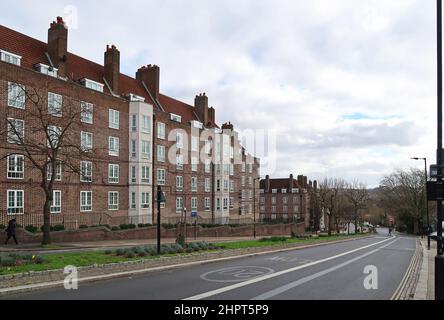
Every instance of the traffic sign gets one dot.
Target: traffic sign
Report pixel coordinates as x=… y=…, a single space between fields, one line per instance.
x=194 y=214
x=435 y=191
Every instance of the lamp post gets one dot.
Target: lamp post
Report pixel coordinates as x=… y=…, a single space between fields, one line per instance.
x=439 y=258
x=160 y=199
x=426 y=201
x=254 y=206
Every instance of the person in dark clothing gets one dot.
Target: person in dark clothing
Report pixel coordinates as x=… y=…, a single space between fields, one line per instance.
x=10 y=231
x=390 y=231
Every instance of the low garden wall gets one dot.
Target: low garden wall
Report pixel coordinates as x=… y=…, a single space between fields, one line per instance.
x=103 y=233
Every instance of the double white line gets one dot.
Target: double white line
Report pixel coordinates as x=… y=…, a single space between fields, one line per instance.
x=296 y=283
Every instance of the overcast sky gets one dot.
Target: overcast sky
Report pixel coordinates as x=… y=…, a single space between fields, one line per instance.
x=347 y=86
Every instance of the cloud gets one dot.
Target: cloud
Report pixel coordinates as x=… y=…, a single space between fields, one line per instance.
x=300 y=68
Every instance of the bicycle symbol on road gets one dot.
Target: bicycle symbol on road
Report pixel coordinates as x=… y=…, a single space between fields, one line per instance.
x=236 y=274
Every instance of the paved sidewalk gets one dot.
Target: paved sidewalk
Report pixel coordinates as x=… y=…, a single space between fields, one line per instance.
x=426 y=284
x=109 y=244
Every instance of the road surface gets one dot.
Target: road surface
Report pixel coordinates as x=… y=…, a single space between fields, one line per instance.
x=332 y=271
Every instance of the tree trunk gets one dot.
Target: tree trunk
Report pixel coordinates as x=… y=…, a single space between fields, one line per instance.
x=356 y=224
x=46 y=222
x=348 y=228
x=329 y=225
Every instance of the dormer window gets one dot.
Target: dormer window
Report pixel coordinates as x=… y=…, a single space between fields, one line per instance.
x=10 y=57
x=92 y=84
x=175 y=117
x=295 y=190
x=135 y=97
x=196 y=124
x=50 y=71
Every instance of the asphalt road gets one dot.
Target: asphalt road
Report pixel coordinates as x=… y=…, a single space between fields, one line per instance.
x=331 y=271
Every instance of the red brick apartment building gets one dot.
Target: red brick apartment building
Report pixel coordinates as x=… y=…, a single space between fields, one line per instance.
x=287 y=199
x=144 y=138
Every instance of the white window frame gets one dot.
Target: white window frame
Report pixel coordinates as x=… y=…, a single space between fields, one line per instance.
x=161 y=130
x=113 y=173
x=179 y=183
x=194 y=143
x=193 y=203
x=193 y=184
x=85 y=138
x=179 y=161
x=133 y=148
x=207 y=185
x=160 y=153
x=113 y=200
x=133 y=200
x=146 y=124
x=161 y=177
x=53 y=133
x=86 y=201
x=194 y=162
x=113 y=119
x=207 y=166
x=179 y=204
x=113 y=146
x=145 y=149
x=207 y=204
x=133 y=122
x=12 y=137
x=55 y=104
x=87 y=112
x=16 y=207
x=179 y=140
x=18 y=163
x=10 y=57
x=85 y=171
x=58 y=176
x=145 y=174
x=145 y=200
x=16 y=95
x=56 y=204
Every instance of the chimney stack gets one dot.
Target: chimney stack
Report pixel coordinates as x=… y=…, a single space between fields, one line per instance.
x=305 y=181
x=267 y=183
x=301 y=181
x=201 y=105
x=112 y=67
x=212 y=115
x=315 y=184
x=150 y=75
x=290 y=183
x=227 y=126
x=58 y=45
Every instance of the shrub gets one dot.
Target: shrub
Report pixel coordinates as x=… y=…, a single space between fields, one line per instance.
x=39 y=260
x=31 y=229
x=129 y=253
x=142 y=254
x=120 y=252
x=7 y=261
x=108 y=251
x=132 y=226
x=181 y=240
x=138 y=250
x=168 y=225
x=26 y=257
x=2 y=226
x=58 y=227
x=124 y=227
x=115 y=228
x=19 y=226
x=83 y=226
x=193 y=246
x=274 y=239
x=151 y=250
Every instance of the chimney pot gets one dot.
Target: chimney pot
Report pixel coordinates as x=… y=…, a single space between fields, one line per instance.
x=150 y=75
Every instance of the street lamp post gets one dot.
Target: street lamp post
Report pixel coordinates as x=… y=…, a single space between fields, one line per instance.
x=426 y=201
x=160 y=199
x=439 y=259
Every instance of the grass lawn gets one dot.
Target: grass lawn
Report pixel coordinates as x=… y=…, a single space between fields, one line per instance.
x=258 y=243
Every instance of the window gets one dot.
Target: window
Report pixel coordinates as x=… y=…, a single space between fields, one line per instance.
x=243 y=181
x=261 y=191
x=56 y=203
x=146 y=124
x=273 y=209
x=161 y=153
x=53 y=134
x=161 y=130
x=273 y=216
x=135 y=97
x=133 y=174
x=194 y=143
x=179 y=161
x=273 y=200
x=133 y=200
x=295 y=199
x=262 y=200
x=133 y=122
x=16 y=95
x=87 y=110
x=86 y=140
x=207 y=166
x=285 y=209
x=193 y=164
x=225 y=203
x=226 y=183
x=161 y=177
x=179 y=204
x=133 y=148
x=296 y=209
x=58 y=170
x=285 y=200
x=145 y=174
x=145 y=201
x=218 y=185
x=15 y=201
x=231 y=186
x=145 y=149
x=175 y=117
x=231 y=152
x=250 y=194
x=226 y=168
x=113 y=173
x=196 y=124
x=85 y=200
x=207 y=147
x=243 y=167
x=113 y=200
x=250 y=181
x=250 y=168
x=226 y=149
x=283 y=190
x=193 y=204
x=55 y=102
x=179 y=183
x=85 y=171
x=10 y=57
x=113 y=119
x=193 y=184
x=218 y=168
x=113 y=146
x=274 y=191
x=16 y=131
x=262 y=209
x=217 y=203
x=15 y=166
x=179 y=140
x=207 y=204
x=90 y=84
x=295 y=190
x=207 y=185
x=231 y=202
x=50 y=71
x=231 y=169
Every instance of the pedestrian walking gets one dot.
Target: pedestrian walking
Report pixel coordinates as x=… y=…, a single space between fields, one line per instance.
x=10 y=231
x=390 y=232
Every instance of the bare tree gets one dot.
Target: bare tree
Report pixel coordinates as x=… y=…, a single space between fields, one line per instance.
x=357 y=193
x=48 y=134
x=329 y=197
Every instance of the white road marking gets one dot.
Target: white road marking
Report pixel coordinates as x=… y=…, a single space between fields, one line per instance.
x=276 y=274
x=291 y=285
